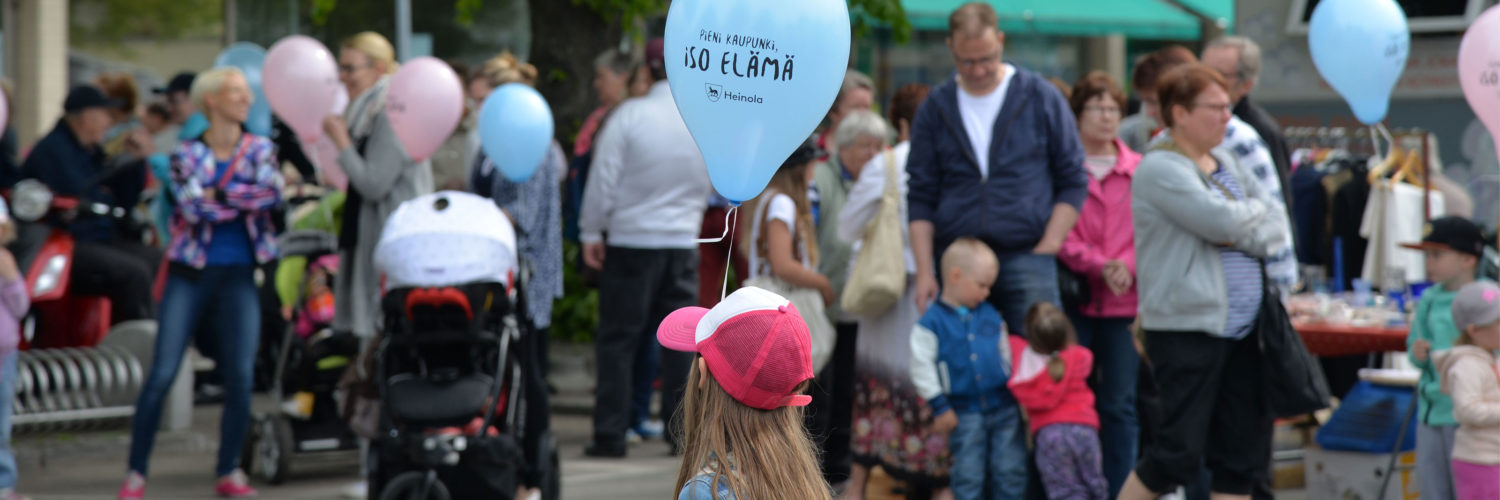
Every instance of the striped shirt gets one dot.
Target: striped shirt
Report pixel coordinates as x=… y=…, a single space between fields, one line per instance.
x=1242 y=273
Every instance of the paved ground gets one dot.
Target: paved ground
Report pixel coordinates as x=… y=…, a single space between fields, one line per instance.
x=89 y=465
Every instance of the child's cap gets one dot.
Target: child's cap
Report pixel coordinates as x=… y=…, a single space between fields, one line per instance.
x=755 y=343
x=1477 y=303
x=1451 y=233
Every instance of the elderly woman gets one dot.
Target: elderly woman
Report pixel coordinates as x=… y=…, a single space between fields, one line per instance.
x=859 y=136
x=535 y=209
x=381 y=176
x=1202 y=226
x=890 y=421
x=226 y=183
x=1101 y=250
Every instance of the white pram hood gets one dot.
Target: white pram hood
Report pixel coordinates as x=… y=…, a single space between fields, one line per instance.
x=444 y=239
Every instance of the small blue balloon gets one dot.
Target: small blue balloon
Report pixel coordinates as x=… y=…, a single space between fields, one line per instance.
x=1360 y=48
x=248 y=58
x=752 y=79
x=194 y=127
x=515 y=130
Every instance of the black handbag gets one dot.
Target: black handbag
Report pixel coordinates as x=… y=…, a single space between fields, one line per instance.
x=1072 y=287
x=1294 y=382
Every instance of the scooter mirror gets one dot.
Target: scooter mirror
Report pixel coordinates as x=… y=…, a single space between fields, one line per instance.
x=30 y=200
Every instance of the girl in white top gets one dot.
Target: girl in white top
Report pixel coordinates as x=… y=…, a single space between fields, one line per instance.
x=782 y=240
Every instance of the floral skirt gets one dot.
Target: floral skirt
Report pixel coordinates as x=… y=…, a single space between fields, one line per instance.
x=891 y=422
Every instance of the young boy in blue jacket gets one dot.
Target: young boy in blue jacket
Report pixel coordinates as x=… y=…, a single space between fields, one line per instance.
x=960 y=365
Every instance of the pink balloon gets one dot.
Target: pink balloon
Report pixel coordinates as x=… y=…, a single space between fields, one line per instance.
x=4 y=112
x=424 y=104
x=325 y=156
x=300 y=79
x=340 y=101
x=1479 y=69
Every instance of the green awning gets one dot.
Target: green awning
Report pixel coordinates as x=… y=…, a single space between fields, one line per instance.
x=1219 y=10
x=1146 y=19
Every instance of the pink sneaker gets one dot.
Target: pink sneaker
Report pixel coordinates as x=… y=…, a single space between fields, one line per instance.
x=134 y=487
x=234 y=485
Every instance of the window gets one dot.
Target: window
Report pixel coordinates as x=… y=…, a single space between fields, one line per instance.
x=1423 y=16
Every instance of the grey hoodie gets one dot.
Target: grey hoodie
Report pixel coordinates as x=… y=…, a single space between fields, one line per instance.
x=1180 y=224
x=1469 y=376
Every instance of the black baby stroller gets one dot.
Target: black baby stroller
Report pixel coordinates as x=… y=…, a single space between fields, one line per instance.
x=310 y=359
x=450 y=365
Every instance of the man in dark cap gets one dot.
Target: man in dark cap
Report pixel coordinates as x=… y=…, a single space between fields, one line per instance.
x=70 y=162
x=179 y=109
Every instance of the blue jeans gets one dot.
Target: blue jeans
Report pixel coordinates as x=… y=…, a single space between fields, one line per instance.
x=1116 y=365
x=227 y=295
x=1025 y=279
x=989 y=446
x=8 y=378
x=647 y=359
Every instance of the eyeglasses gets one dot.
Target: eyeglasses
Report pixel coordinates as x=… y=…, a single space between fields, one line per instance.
x=988 y=61
x=1102 y=110
x=350 y=68
x=1221 y=108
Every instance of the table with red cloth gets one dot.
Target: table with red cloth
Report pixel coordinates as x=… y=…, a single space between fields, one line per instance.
x=1327 y=339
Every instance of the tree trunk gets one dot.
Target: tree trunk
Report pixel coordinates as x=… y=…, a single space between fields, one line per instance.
x=566 y=37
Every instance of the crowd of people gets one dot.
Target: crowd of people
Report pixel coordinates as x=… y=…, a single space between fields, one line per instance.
x=1059 y=259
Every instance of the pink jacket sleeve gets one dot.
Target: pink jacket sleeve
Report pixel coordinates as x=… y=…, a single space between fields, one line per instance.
x=1079 y=256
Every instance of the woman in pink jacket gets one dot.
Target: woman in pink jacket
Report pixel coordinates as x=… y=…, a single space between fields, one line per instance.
x=1101 y=249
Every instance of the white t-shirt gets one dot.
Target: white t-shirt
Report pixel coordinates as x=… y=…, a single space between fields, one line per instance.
x=979 y=114
x=780 y=208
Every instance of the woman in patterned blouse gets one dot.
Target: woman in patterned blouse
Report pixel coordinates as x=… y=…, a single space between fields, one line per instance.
x=226 y=183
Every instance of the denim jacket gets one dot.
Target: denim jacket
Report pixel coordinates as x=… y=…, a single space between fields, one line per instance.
x=961 y=360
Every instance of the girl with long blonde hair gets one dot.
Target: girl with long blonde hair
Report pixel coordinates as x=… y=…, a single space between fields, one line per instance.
x=742 y=414
x=782 y=242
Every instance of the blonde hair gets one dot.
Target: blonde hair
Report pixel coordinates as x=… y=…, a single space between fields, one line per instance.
x=209 y=82
x=505 y=68
x=375 y=46
x=761 y=454
x=790 y=180
x=968 y=254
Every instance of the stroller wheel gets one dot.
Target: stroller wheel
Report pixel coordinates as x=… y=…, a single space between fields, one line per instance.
x=410 y=486
x=273 y=450
x=551 y=472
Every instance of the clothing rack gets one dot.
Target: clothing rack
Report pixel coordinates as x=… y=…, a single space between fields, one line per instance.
x=1363 y=141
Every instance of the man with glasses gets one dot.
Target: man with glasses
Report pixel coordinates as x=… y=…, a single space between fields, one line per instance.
x=994 y=155
x=1238 y=59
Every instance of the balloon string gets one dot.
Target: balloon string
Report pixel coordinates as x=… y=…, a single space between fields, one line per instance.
x=721 y=237
x=729 y=259
x=1384 y=132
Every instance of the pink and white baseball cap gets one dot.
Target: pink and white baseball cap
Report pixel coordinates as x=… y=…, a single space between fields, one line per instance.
x=754 y=342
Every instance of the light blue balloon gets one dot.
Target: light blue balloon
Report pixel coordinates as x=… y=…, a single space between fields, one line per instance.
x=752 y=79
x=1360 y=48
x=195 y=126
x=248 y=58
x=515 y=130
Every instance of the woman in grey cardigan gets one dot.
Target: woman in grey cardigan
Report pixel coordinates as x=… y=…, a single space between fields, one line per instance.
x=1202 y=224
x=381 y=176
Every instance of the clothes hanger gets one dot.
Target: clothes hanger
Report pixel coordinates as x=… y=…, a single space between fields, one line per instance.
x=1393 y=157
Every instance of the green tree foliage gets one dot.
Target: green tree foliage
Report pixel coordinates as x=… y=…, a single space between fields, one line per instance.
x=111 y=21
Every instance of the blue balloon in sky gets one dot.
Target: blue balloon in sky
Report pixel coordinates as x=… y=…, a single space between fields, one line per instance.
x=1360 y=48
x=248 y=57
x=752 y=79
x=515 y=130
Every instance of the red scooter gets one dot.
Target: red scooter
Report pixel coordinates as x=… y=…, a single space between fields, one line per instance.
x=44 y=252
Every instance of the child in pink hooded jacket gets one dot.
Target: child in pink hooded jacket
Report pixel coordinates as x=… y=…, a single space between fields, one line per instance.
x=1051 y=383
x=1471 y=377
x=13 y=305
